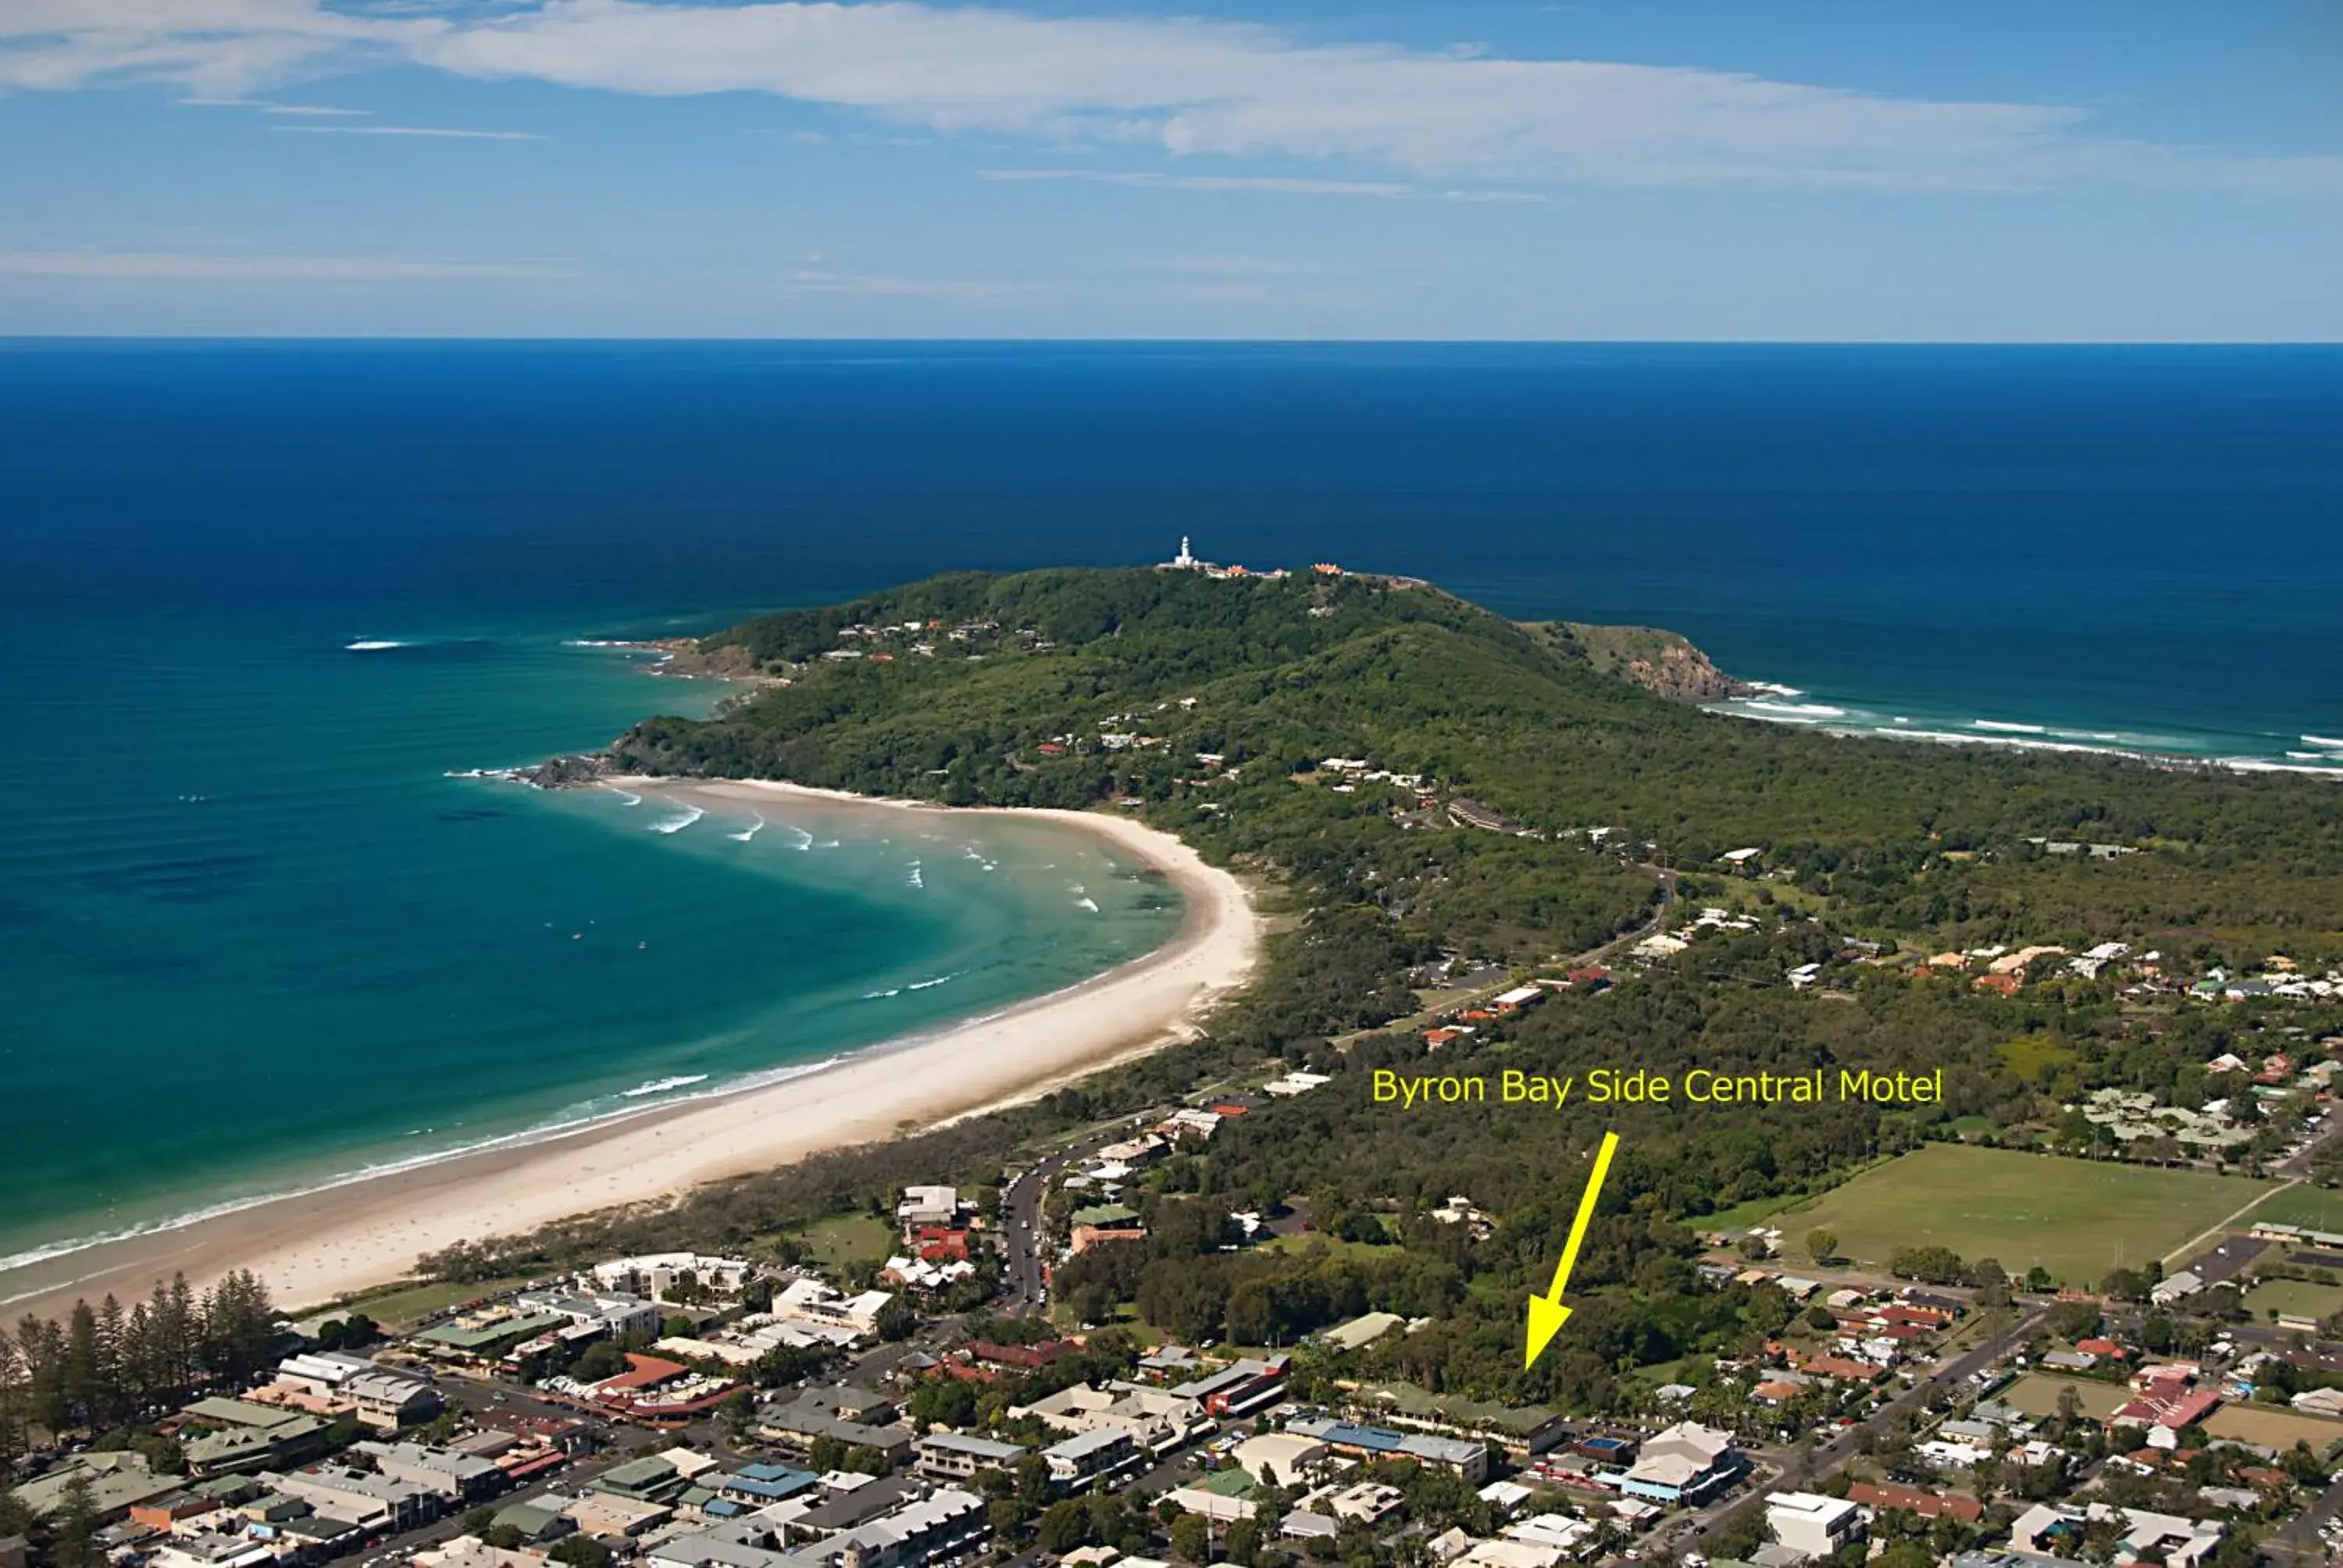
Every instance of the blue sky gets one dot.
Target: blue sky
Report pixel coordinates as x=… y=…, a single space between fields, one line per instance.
x=1589 y=169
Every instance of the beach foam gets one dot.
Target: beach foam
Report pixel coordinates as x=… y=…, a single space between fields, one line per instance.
x=677 y=824
x=662 y=1085
x=1789 y=709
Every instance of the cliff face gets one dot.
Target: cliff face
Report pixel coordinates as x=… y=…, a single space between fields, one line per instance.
x=1659 y=661
x=1682 y=672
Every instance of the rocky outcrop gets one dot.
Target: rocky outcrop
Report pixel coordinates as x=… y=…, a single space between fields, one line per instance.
x=564 y=772
x=1658 y=661
x=1682 y=672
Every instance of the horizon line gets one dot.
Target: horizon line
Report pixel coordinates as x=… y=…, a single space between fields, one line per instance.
x=10 y=338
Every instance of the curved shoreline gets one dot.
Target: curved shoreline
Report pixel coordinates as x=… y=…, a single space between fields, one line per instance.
x=335 y=1240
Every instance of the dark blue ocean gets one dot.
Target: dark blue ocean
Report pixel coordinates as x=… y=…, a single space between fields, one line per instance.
x=250 y=934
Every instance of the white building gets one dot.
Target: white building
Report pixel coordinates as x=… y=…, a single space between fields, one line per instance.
x=819 y=1303
x=654 y=1274
x=929 y=1206
x=1812 y=1525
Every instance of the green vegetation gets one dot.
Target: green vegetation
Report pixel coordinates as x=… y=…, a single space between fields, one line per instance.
x=2295 y=1299
x=104 y=1366
x=1210 y=707
x=2313 y=1207
x=403 y=1308
x=2078 y=1219
x=1285 y=673
x=847 y=1240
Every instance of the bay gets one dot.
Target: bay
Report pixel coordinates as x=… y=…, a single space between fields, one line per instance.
x=251 y=934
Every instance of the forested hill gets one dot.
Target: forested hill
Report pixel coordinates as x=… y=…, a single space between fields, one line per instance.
x=1431 y=789
x=1065 y=687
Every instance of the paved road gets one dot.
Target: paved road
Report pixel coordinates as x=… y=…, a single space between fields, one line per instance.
x=1809 y=1467
x=2300 y=1538
x=1023 y=1282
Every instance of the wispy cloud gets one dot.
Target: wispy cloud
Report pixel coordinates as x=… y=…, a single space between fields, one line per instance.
x=1279 y=184
x=318 y=111
x=1276 y=184
x=817 y=282
x=443 y=133
x=195 y=268
x=1186 y=87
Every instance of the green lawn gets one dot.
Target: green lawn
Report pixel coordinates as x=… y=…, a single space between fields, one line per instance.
x=1335 y=1244
x=2076 y=1218
x=850 y=1238
x=2313 y=1207
x=2295 y=1299
x=398 y=1309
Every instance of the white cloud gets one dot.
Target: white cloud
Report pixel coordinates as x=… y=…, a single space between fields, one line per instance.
x=203 y=268
x=441 y=131
x=869 y=285
x=1182 y=86
x=316 y=111
x=1279 y=184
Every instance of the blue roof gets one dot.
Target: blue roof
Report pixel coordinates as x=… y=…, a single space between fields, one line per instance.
x=770 y=1473
x=772 y=1482
x=1351 y=1436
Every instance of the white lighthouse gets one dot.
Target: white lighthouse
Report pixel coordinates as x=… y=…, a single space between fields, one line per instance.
x=1185 y=557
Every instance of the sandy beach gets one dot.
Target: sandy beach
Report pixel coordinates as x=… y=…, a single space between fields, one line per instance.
x=315 y=1247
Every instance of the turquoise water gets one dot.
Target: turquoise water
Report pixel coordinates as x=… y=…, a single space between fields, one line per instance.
x=253 y=938
x=250 y=935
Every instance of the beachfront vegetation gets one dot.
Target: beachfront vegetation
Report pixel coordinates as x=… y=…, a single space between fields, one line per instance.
x=104 y=1366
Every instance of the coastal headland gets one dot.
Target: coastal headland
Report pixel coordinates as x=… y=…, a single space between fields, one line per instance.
x=317 y=1246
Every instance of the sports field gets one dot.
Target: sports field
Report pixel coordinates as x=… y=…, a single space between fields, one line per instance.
x=2076 y=1218
x=2312 y=1207
x=2295 y=1299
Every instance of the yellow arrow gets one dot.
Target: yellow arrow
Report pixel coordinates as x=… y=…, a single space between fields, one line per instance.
x=1547 y=1314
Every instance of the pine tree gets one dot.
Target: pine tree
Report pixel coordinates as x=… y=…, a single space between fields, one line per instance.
x=74 y=1543
x=42 y=1344
x=117 y=1405
x=11 y=1402
x=81 y=1389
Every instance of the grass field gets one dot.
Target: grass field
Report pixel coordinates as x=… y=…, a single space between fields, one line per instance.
x=2076 y=1218
x=2265 y=1426
x=850 y=1238
x=2295 y=1298
x=2273 y=1428
x=2036 y=1394
x=2313 y=1207
x=405 y=1307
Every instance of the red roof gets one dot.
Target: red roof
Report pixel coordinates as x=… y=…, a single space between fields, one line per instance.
x=2102 y=1348
x=2171 y=1412
x=1912 y=1500
x=1841 y=1367
x=642 y=1371
x=1903 y=1312
x=1030 y=1357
